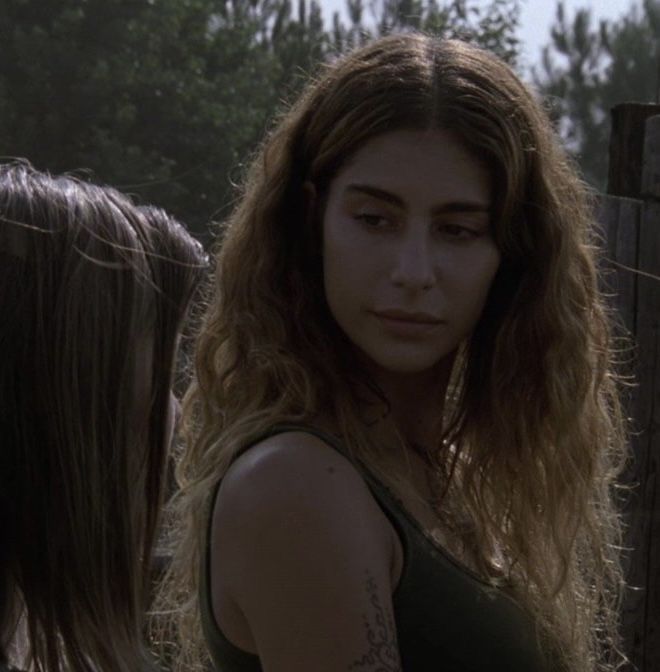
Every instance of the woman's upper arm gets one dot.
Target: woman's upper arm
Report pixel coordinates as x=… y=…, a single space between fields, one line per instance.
x=306 y=559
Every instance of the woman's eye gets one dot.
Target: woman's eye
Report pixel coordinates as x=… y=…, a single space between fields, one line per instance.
x=458 y=232
x=372 y=221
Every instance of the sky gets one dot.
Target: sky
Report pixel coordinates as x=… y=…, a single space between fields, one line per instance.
x=536 y=18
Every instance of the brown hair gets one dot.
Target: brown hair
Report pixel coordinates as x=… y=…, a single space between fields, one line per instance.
x=534 y=409
x=93 y=291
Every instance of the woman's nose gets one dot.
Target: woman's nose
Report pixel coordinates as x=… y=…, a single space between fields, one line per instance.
x=414 y=266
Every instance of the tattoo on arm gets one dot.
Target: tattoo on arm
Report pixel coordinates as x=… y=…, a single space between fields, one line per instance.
x=383 y=654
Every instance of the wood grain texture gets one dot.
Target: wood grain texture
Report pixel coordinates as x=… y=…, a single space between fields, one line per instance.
x=631 y=228
x=619 y=221
x=651 y=160
x=647 y=443
x=626 y=148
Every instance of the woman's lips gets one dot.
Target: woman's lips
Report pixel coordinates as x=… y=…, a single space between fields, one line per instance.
x=407 y=324
x=408 y=316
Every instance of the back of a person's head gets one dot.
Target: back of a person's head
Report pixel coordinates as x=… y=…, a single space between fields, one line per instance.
x=92 y=292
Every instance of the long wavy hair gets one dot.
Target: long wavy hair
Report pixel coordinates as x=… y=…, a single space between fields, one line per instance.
x=533 y=408
x=93 y=291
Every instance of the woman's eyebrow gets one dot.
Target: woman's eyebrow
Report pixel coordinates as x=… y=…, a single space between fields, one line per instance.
x=378 y=193
x=393 y=199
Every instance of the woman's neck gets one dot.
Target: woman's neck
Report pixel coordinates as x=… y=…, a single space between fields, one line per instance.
x=416 y=402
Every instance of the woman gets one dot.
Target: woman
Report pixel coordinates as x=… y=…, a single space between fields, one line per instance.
x=404 y=428
x=93 y=291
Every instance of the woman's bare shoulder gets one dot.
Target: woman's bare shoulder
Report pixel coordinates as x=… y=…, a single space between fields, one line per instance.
x=303 y=553
x=293 y=470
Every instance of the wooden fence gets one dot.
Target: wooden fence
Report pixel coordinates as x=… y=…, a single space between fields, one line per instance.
x=630 y=216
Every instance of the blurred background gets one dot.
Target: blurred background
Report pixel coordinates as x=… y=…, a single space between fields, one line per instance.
x=167 y=99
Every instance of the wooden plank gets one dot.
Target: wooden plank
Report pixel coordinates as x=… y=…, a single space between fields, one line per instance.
x=626 y=148
x=648 y=418
x=632 y=231
x=607 y=219
x=651 y=159
x=619 y=221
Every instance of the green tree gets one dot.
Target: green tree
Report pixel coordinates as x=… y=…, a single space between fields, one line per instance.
x=148 y=95
x=167 y=99
x=587 y=69
x=493 y=25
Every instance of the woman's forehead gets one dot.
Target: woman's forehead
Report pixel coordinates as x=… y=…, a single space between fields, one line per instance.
x=435 y=164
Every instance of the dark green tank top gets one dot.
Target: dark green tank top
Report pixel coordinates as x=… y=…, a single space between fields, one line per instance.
x=447 y=618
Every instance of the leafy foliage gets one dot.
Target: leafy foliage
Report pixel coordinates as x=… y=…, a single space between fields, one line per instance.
x=588 y=69
x=492 y=26
x=167 y=99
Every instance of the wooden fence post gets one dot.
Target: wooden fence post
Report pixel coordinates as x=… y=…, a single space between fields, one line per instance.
x=648 y=406
x=650 y=187
x=626 y=148
x=630 y=216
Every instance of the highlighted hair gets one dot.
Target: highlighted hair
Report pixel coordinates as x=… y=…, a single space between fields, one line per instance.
x=534 y=412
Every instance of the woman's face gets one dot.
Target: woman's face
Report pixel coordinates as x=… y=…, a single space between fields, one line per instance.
x=408 y=252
